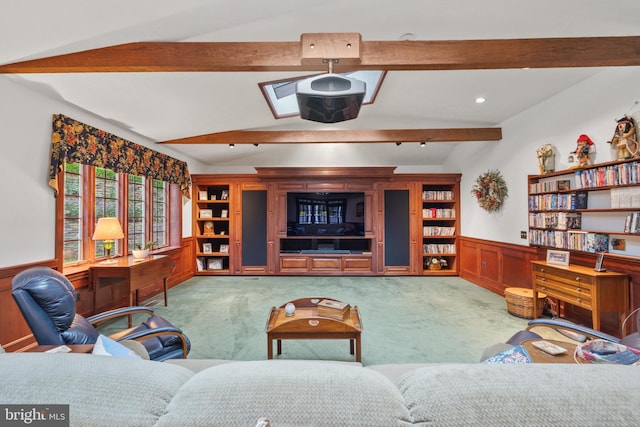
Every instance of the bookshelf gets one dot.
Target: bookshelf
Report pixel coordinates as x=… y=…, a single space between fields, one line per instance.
x=440 y=227
x=594 y=209
x=212 y=228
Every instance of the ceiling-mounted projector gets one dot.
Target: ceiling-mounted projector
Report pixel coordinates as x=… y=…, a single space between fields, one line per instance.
x=330 y=98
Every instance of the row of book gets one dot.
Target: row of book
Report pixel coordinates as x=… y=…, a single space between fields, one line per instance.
x=632 y=222
x=438 y=231
x=606 y=176
x=438 y=213
x=437 y=195
x=434 y=248
x=568 y=201
x=571 y=240
x=556 y=220
x=625 y=197
x=549 y=186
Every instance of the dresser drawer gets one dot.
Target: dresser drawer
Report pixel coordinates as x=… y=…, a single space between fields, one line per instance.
x=564 y=275
x=575 y=293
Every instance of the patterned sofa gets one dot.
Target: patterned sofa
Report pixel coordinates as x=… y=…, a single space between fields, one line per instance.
x=108 y=391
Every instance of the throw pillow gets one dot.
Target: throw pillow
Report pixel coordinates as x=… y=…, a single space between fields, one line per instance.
x=517 y=354
x=105 y=346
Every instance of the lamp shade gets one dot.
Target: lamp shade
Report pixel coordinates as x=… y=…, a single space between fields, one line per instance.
x=108 y=228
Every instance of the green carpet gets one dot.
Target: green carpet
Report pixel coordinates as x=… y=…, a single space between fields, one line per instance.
x=405 y=319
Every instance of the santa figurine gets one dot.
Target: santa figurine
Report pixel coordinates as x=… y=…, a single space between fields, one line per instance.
x=583 y=151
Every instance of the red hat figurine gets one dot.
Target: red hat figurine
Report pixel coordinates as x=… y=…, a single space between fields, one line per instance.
x=583 y=150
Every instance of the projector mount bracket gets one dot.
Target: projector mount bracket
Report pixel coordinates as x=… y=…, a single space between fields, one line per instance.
x=316 y=48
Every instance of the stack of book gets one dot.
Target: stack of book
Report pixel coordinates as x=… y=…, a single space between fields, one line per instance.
x=333 y=309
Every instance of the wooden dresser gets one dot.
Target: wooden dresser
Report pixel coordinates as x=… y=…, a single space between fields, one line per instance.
x=599 y=292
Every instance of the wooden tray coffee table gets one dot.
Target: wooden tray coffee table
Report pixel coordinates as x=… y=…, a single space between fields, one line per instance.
x=307 y=324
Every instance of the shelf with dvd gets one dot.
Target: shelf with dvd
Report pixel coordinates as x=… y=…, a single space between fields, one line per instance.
x=593 y=209
x=440 y=227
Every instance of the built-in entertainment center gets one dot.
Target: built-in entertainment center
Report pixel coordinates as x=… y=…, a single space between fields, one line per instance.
x=359 y=221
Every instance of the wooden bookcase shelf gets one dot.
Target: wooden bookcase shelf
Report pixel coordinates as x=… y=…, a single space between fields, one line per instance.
x=440 y=227
x=589 y=210
x=212 y=228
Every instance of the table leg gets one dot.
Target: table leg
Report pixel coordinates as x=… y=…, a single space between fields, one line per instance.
x=279 y=347
x=358 y=350
x=351 y=346
x=269 y=348
x=165 y=290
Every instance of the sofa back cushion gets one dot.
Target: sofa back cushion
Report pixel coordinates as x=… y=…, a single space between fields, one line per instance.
x=523 y=395
x=100 y=390
x=291 y=392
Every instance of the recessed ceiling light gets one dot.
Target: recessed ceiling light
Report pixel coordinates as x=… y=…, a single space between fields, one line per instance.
x=479 y=100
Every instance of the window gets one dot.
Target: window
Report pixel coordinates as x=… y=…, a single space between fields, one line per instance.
x=73 y=218
x=136 y=224
x=91 y=193
x=159 y=203
x=106 y=203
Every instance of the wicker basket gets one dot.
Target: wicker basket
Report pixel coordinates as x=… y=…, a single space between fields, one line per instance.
x=520 y=302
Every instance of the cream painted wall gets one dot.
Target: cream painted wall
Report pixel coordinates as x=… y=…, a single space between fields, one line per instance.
x=27 y=217
x=590 y=107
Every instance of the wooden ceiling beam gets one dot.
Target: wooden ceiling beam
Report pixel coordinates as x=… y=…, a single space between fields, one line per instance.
x=378 y=55
x=342 y=136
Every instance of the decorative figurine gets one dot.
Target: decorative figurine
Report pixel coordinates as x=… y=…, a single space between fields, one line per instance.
x=583 y=151
x=289 y=309
x=624 y=139
x=546 y=159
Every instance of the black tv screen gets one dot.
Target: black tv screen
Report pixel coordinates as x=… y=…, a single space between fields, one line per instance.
x=325 y=214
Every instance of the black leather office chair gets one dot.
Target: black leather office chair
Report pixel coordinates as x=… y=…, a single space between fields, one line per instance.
x=630 y=333
x=47 y=301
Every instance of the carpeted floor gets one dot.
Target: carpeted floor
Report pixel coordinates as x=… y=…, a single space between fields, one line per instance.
x=405 y=319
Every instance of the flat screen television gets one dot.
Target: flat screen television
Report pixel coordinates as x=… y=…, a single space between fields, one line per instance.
x=322 y=214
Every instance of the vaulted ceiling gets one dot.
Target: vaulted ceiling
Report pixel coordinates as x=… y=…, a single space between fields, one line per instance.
x=186 y=74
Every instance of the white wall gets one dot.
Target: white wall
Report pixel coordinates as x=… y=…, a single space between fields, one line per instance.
x=590 y=107
x=28 y=206
x=27 y=216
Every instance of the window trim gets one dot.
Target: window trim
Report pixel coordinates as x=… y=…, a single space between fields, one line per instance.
x=173 y=215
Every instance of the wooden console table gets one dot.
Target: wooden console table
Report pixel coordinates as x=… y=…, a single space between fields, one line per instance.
x=136 y=275
x=599 y=292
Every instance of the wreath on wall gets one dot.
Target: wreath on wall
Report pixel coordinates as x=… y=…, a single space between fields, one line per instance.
x=490 y=189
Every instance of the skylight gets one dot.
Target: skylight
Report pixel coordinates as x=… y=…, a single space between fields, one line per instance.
x=281 y=94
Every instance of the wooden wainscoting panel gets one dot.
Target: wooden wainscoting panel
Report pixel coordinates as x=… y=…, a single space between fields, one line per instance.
x=14 y=331
x=516 y=263
x=469 y=259
x=495 y=265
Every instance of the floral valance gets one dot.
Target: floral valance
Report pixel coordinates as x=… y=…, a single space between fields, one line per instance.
x=76 y=142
